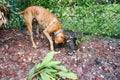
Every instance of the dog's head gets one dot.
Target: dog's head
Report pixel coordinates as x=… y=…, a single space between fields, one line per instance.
x=59 y=37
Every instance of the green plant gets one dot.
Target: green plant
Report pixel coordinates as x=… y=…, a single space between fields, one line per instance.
x=50 y=70
x=94 y=18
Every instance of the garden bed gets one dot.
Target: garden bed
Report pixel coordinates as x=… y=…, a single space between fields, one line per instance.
x=96 y=59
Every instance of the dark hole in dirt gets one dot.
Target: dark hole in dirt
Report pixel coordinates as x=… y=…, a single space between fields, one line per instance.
x=70 y=43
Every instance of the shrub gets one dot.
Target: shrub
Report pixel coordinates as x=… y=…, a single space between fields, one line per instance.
x=94 y=18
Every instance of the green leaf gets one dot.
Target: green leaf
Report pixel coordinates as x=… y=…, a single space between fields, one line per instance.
x=36 y=68
x=39 y=78
x=39 y=66
x=52 y=63
x=49 y=71
x=62 y=68
x=44 y=76
x=31 y=73
x=48 y=58
x=67 y=75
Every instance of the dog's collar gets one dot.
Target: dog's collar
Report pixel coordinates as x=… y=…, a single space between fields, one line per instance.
x=58 y=32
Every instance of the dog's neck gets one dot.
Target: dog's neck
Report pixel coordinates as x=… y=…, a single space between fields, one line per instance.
x=58 y=32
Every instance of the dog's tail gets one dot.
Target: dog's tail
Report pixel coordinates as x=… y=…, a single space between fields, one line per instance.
x=22 y=12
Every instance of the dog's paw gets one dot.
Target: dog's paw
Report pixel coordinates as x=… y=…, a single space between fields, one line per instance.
x=34 y=46
x=57 y=52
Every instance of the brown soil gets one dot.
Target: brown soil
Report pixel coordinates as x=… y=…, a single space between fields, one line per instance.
x=96 y=59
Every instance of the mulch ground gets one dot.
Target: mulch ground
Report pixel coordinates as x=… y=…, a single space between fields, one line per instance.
x=96 y=59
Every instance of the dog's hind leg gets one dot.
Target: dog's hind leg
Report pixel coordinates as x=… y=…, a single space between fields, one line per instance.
x=29 y=26
x=37 y=30
x=36 y=25
x=31 y=35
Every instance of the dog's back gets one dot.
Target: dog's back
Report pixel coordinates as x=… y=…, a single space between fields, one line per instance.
x=43 y=16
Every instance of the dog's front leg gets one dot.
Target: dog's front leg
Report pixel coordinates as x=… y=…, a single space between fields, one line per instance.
x=49 y=38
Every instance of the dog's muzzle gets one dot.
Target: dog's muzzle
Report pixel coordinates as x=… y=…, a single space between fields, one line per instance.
x=58 y=32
